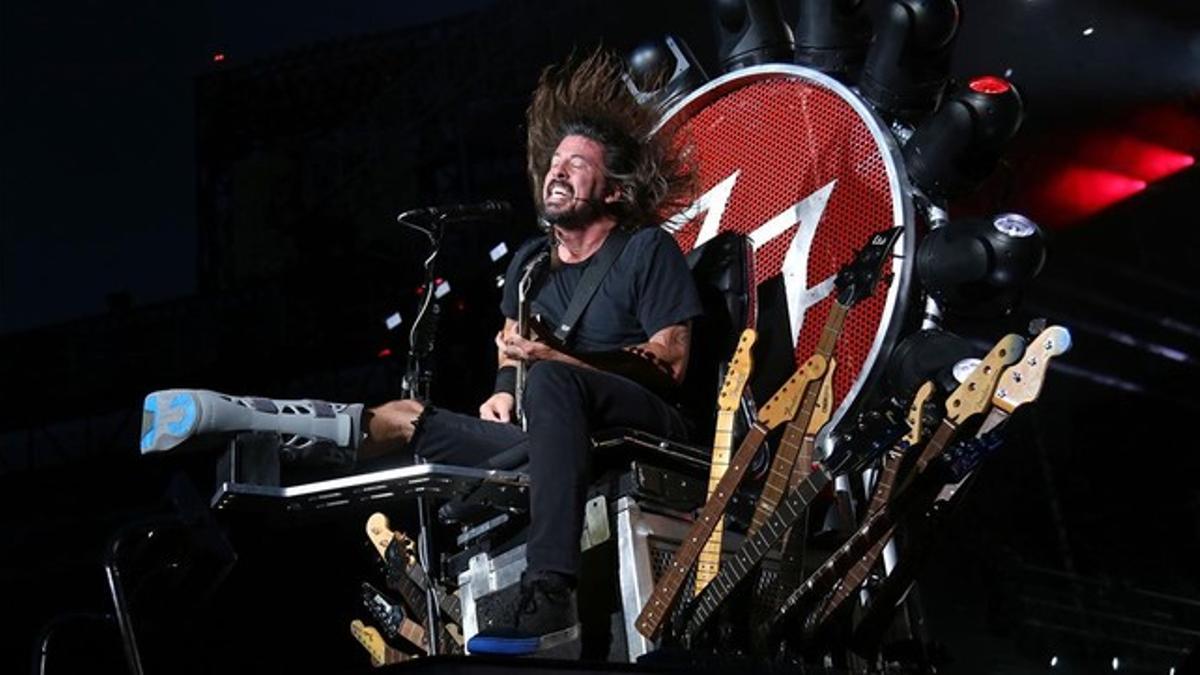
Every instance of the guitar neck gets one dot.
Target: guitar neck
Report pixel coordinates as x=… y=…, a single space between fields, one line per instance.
x=875 y=528
x=392 y=618
x=755 y=548
x=710 y=557
x=780 y=474
x=785 y=458
x=382 y=654
x=791 y=563
x=877 y=432
x=859 y=571
x=832 y=331
x=410 y=579
x=936 y=445
x=413 y=632
x=666 y=591
x=919 y=537
x=447 y=602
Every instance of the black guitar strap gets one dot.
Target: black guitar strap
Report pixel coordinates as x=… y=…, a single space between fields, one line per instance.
x=590 y=282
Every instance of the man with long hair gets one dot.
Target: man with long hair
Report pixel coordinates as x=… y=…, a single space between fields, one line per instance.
x=595 y=170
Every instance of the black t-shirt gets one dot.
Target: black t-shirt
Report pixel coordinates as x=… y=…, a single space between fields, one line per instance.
x=648 y=288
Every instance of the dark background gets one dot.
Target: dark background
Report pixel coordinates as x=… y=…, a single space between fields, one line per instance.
x=171 y=220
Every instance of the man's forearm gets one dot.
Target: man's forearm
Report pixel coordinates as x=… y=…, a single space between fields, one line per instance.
x=667 y=350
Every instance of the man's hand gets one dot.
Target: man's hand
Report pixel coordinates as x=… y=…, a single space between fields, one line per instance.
x=517 y=348
x=498 y=408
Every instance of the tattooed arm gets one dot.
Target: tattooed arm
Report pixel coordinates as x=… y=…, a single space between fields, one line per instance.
x=668 y=350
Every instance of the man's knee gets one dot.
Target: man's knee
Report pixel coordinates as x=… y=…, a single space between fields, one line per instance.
x=394 y=420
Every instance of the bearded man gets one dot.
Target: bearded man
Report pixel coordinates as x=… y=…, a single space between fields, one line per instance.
x=597 y=174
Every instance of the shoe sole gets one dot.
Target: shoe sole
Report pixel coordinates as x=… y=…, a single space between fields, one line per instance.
x=563 y=644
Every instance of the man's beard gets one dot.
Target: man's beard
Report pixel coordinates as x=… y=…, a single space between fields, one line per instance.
x=579 y=215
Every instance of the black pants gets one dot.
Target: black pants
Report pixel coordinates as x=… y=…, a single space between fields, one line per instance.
x=564 y=404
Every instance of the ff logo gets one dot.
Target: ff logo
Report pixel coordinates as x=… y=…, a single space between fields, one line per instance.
x=795 y=162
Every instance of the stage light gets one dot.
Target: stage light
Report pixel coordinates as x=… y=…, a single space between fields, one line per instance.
x=989 y=84
x=1053 y=661
x=1134 y=157
x=1087 y=32
x=832 y=36
x=951 y=152
x=909 y=60
x=751 y=32
x=1076 y=192
x=929 y=354
x=979 y=266
x=218 y=57
x=663 y=71
x=1116 y=663
x=498 y=251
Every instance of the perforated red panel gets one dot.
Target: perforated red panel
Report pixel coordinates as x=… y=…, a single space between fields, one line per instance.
x=769 y=147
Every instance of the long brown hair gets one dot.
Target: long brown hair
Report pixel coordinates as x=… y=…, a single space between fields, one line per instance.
x=587 y=96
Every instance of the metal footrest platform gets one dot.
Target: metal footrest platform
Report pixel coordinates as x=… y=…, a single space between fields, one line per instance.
x=506 y=490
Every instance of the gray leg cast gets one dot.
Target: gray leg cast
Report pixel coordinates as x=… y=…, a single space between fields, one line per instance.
x=309 y=430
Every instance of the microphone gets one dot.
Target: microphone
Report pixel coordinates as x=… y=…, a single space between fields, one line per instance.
x=492 y=209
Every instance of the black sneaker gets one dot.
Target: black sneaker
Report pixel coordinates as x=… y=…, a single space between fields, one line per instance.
x=543 y=621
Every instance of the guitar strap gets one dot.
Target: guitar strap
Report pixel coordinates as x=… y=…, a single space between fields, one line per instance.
x=590 y=282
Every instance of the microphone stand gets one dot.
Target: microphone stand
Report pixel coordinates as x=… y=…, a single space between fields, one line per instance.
x=416 y=384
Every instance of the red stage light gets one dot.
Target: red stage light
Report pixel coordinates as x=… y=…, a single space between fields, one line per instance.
x=990 y=84
x=218 y=57
x=384 y=353
x=1076 y=192
x=1133 y=156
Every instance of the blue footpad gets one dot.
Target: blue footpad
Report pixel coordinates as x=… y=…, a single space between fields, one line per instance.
x=168 y=418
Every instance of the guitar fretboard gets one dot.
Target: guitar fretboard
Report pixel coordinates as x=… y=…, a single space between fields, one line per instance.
x=876 y=527
x=791 y=562
x=785 y=458
x=859 y=571
x=755 y=548
x=710 y=557
x=877 y=431
x=382 y=654
x=666 y=591
x=410 y=580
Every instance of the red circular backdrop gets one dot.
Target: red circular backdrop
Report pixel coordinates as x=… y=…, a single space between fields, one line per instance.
x=795 y=161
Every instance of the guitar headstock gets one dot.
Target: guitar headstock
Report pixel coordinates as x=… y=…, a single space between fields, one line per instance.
x=786 y=401
x=381 y=534
x=856 y=280
x=916 y=414
x=1022 y=382
x=385 y=612
x=824 y=408
x=738 y=373
x=974 y=394
x=371 y=640
x=871 y=433
x=966 y=454
x=379 y=531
